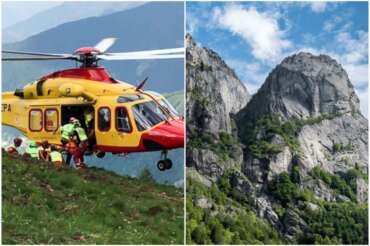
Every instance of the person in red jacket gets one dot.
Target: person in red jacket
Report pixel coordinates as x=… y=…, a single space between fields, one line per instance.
x=45 y=150
x=13 y=148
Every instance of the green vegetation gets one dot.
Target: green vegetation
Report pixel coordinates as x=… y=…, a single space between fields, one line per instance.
x=42 y=205
x=331 y=222
x=222 y=145
x=344 y=183
x=336 y=223
x=339 y=147
x=197 y=95
x=216 y=226
x=258 y=135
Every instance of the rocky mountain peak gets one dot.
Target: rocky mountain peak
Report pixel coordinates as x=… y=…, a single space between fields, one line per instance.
x=214 y=95
x=305 y=85
x=213 y=87
x=189 y=42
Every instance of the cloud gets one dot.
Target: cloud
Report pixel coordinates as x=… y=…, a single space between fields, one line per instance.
x=192 y=23
x=259 y=29
x=318 y=7
x=355 y=48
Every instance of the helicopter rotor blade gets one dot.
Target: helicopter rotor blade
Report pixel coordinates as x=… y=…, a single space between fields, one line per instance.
x=34 y=53
x=36 y=58
x=105 y=44
x=149 y=52
x=141 y=57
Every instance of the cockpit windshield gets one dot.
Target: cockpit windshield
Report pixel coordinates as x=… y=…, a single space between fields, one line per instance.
x=149 y=114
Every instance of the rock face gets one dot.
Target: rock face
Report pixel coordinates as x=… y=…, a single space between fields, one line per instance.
x=214 y=95
x=313 y=123
x=213 y=90
x=304 y=85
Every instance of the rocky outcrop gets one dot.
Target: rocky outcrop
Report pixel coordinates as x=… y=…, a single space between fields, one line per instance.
x=302 y=86
x=314 y=94
x=214 y=95
x=214 y=92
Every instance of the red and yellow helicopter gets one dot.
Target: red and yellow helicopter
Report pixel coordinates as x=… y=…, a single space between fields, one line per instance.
x=126 y=117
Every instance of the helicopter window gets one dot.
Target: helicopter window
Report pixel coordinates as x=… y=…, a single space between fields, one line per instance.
x=129 y=98
x=122 y=120
x=147 y=115
x=35 y=120
x=168 y=106
x=104 y=119
x=51 y=120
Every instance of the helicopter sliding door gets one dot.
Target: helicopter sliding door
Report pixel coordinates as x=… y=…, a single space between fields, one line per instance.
x=78 y=112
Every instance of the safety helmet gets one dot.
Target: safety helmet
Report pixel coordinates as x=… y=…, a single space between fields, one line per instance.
x=17 y=141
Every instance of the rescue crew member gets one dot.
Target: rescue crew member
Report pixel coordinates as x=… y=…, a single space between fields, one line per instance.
x=45 y=150
x=73 y=150
x=32 y=150
x=68 y=129
x=13 y=148
x=88 y=116
x=67 y=132
x=82 y=144
x=56 y=157
x=89 y=123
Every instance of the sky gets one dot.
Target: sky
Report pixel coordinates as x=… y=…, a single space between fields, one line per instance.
x=253 y=37
x=14 y=12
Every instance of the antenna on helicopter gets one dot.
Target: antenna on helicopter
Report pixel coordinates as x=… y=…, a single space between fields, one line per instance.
x=141 y=85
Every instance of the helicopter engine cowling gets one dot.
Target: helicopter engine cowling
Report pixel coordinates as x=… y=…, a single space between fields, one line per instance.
x=71 y=90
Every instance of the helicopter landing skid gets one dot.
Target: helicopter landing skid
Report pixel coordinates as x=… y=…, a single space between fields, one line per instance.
x=164 y=163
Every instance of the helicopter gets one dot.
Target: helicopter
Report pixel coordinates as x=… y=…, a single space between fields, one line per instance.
x=127 y=118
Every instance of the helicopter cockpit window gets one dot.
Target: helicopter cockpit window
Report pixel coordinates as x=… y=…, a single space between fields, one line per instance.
x=166 y=104
x=122 y=120
x=104 y=119
x=147 y=115
x=129 y=98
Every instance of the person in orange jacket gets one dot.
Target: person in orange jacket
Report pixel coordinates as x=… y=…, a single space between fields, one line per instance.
x=72 y=148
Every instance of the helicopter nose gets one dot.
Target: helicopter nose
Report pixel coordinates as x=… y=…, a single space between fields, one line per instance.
x=169 y=135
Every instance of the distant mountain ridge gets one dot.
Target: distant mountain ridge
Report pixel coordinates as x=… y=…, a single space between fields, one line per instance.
x=63 y=13
x=150 y=26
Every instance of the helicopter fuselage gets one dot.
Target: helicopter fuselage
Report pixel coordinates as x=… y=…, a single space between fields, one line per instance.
x=126 y=119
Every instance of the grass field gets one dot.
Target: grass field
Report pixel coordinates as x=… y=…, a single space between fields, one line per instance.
x=42 y=205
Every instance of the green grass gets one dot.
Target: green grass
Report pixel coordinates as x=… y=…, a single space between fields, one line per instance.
x=177 y=100
x=42 y=205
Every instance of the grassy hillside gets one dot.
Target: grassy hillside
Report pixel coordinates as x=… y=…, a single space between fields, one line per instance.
x=42 y=205
x=177 y=100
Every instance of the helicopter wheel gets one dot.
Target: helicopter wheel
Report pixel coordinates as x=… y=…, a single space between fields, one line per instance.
x=168 y=163
x=100 y=154
x=161 y=165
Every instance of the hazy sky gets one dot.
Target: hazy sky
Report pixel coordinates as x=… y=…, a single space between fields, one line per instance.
x=253 y=37
x=14 y=12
